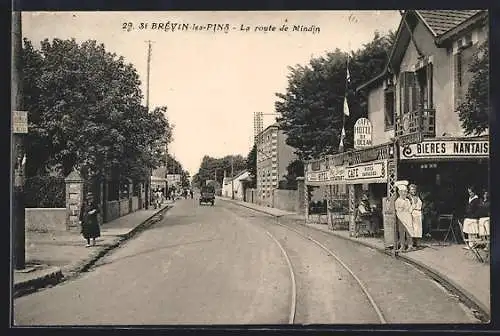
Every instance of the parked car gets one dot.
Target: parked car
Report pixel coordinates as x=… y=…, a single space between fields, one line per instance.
x=207 y=195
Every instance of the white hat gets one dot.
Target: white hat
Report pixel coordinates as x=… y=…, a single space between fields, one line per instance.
x=401 y=185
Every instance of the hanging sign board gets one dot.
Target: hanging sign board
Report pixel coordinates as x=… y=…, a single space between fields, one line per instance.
x=446 y=149
x=362 y=133
x=20 y=122
x=173 y=178
x=370 y=172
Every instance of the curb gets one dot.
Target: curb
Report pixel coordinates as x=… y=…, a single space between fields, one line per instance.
x=451 y=285
x=30 y=286
x=58 y=276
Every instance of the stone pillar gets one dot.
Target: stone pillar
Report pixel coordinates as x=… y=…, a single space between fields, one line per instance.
x=352 y=207
x=301 y=195
x=130 y=195
x=142 y=197
x=74 y=199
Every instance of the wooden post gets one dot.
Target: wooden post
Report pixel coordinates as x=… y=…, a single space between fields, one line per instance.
x=18 y=160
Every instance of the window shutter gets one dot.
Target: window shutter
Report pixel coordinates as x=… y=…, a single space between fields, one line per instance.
x=402 y=92
x=429 y=86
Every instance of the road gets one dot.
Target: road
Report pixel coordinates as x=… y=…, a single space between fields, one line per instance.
x=230 y=265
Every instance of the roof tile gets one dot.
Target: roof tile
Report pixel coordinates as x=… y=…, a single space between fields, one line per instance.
x=441 y=21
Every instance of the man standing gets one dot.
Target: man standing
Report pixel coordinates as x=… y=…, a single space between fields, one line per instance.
x=403 y=214
x=416 y=213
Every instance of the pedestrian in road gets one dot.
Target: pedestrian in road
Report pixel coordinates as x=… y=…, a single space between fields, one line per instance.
x=191 y=193
x=484 y=218
x=89 y=221
x=471 y=220
x=403 y=215
x=416 y=214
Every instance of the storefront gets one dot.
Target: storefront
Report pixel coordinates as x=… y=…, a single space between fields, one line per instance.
x=346 y=177
x=442 y=169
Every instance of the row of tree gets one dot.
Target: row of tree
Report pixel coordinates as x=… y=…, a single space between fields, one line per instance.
x=175 y=167
x=85 y=112
x=216 y=168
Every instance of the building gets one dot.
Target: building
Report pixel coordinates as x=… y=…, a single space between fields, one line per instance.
x=273 y=158
x=415 y=130
x=238 y=183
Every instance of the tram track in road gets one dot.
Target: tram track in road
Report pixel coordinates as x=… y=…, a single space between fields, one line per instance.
x=301 y=300
x=397 y=291
x=329 y=253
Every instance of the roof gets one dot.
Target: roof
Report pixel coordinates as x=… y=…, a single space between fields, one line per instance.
x=441 y=21
x=275 y=125
x=440 y=24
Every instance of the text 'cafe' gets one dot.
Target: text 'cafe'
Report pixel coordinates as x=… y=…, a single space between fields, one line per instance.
x=443 y=168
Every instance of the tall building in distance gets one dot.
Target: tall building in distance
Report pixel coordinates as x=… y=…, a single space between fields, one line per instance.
x=258 y=125
x=273 y=157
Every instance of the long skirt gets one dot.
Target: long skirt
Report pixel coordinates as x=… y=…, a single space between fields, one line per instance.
x=484 y=226
x=90 y=228
x=471 y=226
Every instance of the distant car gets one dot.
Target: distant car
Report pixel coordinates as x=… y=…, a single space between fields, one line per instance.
x=207 y=195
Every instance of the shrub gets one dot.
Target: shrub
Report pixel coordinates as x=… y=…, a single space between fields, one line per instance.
x=45 y=192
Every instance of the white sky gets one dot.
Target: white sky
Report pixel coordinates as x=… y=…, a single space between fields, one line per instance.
x=212 y=82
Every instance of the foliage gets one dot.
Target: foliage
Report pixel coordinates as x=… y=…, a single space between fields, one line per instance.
x=311 y=110
x=474 y=110
x=294 y=169
x=45 y=192
x=85 y=111
x=210 y=165
x=251 y=164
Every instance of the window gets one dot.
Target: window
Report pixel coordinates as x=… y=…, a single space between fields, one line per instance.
x=415 y=90
x=389 y=107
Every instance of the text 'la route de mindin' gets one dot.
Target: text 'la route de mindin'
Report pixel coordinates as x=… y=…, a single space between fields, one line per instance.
x=219 y=27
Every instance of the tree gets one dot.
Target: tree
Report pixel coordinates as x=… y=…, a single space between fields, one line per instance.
x=210 y=166
x=251 y=165
x=84 y=110
x=474 y=110
x=294 y=169
x=311 y=109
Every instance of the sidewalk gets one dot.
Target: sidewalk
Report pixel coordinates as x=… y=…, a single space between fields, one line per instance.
x=450 y=264
x=57 y=256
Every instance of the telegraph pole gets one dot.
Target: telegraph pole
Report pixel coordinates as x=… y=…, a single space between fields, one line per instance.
x=19 y=124
x=232 y=177
x=150 y=172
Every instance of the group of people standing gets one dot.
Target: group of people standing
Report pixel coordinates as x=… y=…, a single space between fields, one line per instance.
x=477 y=219
x=408 y=208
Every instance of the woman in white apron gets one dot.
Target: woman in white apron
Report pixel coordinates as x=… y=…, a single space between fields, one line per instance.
x=403 y=207
x=471 y=220
x=416 y=214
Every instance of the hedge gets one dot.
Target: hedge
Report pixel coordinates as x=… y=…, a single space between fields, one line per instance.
x=45 y=192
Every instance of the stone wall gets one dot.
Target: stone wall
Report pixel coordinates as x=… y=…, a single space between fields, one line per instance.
x=113 y=210
x=46 y=219
x=124 y=207
x=285 y=200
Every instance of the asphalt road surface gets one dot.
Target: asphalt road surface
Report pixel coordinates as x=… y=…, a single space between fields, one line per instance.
x=225 y=264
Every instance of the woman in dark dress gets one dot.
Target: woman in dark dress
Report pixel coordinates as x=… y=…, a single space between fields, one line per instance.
x=90 y=222
x=471 y=220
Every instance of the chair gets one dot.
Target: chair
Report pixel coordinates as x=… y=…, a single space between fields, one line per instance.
x=447 y=220
x=471 y=242
x=440 y=226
